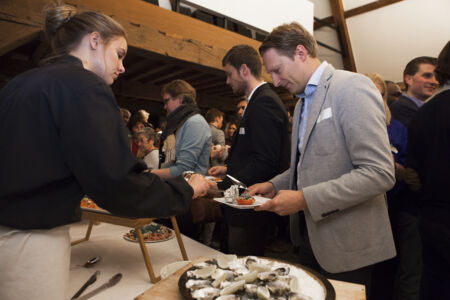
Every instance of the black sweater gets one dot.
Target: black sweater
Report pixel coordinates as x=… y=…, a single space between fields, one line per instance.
x=63 y=136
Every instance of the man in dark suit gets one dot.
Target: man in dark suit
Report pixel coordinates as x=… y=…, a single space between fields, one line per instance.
x=420 y=82
x=260 y=147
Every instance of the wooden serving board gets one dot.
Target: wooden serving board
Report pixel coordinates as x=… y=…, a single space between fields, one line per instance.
x=167 y=289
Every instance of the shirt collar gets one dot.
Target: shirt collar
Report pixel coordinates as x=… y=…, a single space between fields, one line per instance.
x=313 y=81
x=251 y=94
x=418 y=102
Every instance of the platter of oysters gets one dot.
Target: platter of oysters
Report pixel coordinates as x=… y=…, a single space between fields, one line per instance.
x=228 y=277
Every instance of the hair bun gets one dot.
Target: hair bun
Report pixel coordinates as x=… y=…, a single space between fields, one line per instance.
x=56 y=16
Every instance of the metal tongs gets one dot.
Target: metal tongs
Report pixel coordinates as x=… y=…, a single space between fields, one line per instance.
x=239 y=183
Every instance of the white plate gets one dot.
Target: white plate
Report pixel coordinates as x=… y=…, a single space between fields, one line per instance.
x=258 y=201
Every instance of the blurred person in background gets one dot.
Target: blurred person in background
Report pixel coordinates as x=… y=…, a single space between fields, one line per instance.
x=230 y=129
x=218 y=151
x=126 y=114
x=393 y=91
x=146 y=141
x=420 y=82
x=186 y=141
x=135 y=125
x=240 y=106
x=384 y=272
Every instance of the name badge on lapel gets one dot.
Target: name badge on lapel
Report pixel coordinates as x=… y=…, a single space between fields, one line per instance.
x=242 y=130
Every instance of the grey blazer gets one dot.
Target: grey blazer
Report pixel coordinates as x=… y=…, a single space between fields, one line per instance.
x=345 y=169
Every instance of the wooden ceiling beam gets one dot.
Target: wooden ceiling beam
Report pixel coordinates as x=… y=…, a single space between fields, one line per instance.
x=150 y=92
x=149 y=27
x=171 y=74
x=214 y=84
x=344 y=38
x=355 y=11
x=151 y=70
x=190 y=78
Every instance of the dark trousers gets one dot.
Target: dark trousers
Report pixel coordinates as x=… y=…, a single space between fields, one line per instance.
x=247 y=231
x=307 y=259
x=435 y=232
x=409 y=249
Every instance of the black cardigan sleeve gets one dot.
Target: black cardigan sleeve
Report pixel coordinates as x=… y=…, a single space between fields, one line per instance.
x=96 y=148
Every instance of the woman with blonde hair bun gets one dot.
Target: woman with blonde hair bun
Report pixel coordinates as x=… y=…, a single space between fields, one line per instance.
x=79 y=146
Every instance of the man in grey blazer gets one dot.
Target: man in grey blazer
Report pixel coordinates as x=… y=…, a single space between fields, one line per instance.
x=341 y=164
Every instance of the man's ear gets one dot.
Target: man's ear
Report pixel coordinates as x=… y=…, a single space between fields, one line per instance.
x=408 y=79
x=244 y=70
x=94 y=40
x=301 y=52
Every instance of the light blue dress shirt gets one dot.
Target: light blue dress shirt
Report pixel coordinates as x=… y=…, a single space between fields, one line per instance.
x=308 y=96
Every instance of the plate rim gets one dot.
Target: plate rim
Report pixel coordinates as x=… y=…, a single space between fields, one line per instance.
x=238 y=206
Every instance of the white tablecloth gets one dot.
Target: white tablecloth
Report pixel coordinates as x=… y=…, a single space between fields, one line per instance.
x=119 y=255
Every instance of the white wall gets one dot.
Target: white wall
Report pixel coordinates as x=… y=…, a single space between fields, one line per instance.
x=386 y=39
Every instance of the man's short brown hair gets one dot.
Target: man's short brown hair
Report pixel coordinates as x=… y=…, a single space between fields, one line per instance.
x=212 y=114
x=285 y=39
x=180 y=87
x=244 y=54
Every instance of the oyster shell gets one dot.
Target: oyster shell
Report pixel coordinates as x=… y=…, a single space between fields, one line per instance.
x=195 y=284
x=232 y=288
x=238 y=267
x=249 y=277
x=267 y=276
x=228 y=297
x=207 y=293
x=263 y=293
x=224 y=260
x=279 y=286
x=251 y=289
x=225 y=276
x=260 y=267
x=281 y=270
x=205 y=272
x=251 y=260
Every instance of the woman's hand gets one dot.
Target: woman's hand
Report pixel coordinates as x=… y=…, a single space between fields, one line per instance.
x=200 y=185
x=218 y=171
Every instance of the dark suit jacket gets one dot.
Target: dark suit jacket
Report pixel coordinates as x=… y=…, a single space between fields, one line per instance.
x=261 y=144
x=403 y=109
